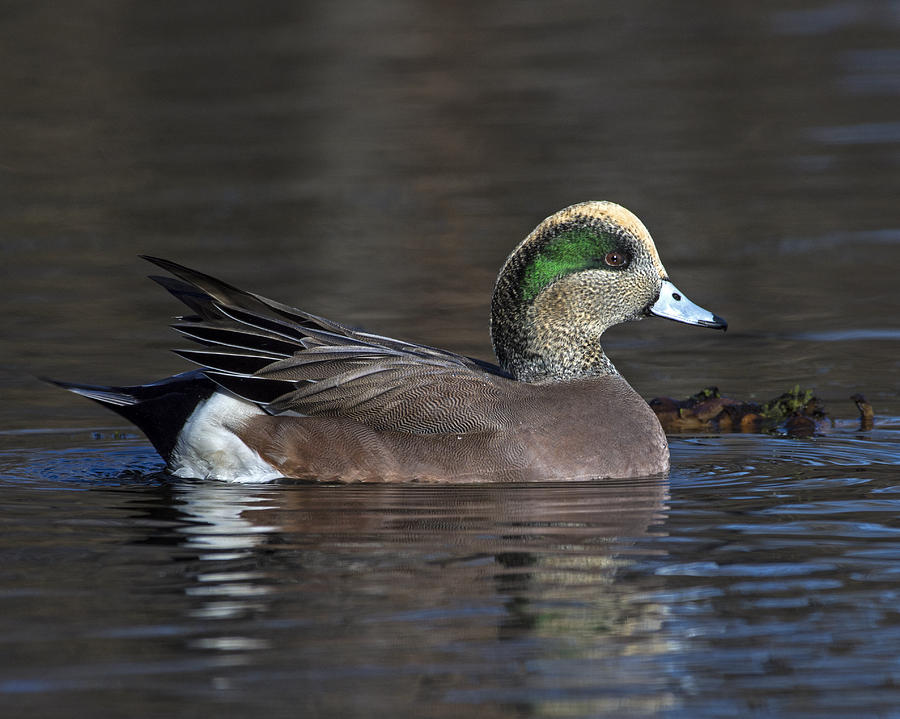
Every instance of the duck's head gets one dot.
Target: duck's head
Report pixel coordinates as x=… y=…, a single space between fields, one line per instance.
x=582 y=270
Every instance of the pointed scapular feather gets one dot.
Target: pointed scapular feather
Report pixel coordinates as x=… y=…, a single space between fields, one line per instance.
x=218 y=290
x=260 y=391
x=253 y=319
x=197 y=300
x=237 y=338
x=230 y=362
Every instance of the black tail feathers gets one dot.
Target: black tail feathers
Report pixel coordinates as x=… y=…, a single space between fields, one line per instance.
x=159 y=409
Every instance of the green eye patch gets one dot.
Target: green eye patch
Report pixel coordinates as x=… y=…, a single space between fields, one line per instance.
x=570 y=251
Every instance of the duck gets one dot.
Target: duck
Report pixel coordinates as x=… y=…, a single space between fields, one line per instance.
x=280 y=393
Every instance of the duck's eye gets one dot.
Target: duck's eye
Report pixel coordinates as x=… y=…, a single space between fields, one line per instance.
x=616 y=259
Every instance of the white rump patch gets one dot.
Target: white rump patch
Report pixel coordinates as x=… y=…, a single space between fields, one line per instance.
x=208 y=449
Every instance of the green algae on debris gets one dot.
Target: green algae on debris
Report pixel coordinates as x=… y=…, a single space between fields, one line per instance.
x=797 y=413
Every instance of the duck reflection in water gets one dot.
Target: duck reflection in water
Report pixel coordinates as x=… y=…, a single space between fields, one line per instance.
x=338 y=580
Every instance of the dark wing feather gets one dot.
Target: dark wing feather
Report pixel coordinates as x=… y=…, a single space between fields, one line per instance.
x=290 y=361
x=227 y=362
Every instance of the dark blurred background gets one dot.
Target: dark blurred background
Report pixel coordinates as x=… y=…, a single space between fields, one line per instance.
x=375 y=163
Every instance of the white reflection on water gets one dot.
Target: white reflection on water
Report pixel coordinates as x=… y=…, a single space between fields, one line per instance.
x=222 y=532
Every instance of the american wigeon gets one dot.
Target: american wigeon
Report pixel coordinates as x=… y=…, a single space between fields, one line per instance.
x=283 y=393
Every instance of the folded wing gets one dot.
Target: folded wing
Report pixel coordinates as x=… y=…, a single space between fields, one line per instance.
x=290 y=361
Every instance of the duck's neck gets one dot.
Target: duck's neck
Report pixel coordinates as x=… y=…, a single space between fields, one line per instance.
x=536 y=346
x=570 y=363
